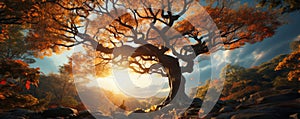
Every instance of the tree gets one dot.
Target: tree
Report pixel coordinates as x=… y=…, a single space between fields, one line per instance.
x=267 y=69
x=15 y=78
x=201 y=90
x=171 y=35
x=14 y=46
x=285 y=6
x=232 y=73
x=47 y=22
x=291 y=63
x=60 y=86
x=14 y=58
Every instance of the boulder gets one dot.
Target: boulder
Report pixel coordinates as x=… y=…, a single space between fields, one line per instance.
x=224 y=116
x=60 y=112
x=295 y=116
x=166 y=116
x=249 y=115
x=259 y=94
x=192 y=111
x=119 y=115
x=226 y=109
x=84 y=114
x=139 y=114
x=230 y=102
x=197 y=102
x=101 y=116
x=243 y=106
x=16 y=114
x=278 y=98
x=167 y=108
x=91 y=115
x=282 y=87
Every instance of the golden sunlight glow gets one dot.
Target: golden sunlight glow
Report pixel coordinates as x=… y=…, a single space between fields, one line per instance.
x=141 y=85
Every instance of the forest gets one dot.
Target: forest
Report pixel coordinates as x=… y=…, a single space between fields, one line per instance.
x=135 y=59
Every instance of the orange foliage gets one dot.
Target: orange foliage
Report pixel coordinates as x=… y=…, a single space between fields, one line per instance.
x=20 y=72
x=240 y=93
x=244 y=25
x=27 y=85
x=3 y=82
x=291 y=63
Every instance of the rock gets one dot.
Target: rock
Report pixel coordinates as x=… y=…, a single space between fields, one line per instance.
x=167 y=108
x=139 y=116
x=87 y=115
x=220 y=102
x=224 y=115
x=91 y=115
x=139 y=111
x=35 y=115
x=282 y=87
x=197 y=102
x=166 y=116
x=243 y=106
x=16 y=114
x=20 y=111
x=192 y=111
x=287 y=91
x=216 y=108
x=84 y=113
x=119 y=115
x=100 y=116
x=259 y=94
x=230 y=102
x=244 y=99
x=249 y=115
x=60 y=112
x=226 y=109
x=12 y=117
x=278 y=98
x=295 y=116
x=210 y=116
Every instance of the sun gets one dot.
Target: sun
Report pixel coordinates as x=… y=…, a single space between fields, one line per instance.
x=133 y=84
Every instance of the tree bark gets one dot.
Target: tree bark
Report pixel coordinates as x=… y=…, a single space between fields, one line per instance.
x=177 y=93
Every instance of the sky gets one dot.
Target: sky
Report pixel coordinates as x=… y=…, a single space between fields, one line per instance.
x=254 y=54
x=246 y=56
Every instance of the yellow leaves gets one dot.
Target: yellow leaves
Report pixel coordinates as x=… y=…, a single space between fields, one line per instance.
x=184 y=26
x=291 y=63
x=244 y=23
x=58 y=49
x=252 y=27
x=295 y=74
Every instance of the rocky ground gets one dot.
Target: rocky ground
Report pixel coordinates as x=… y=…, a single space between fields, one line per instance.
x=268 y=104
x=275 y=103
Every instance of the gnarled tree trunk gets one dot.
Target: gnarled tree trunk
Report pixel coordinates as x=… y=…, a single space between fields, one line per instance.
x=177 y=93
